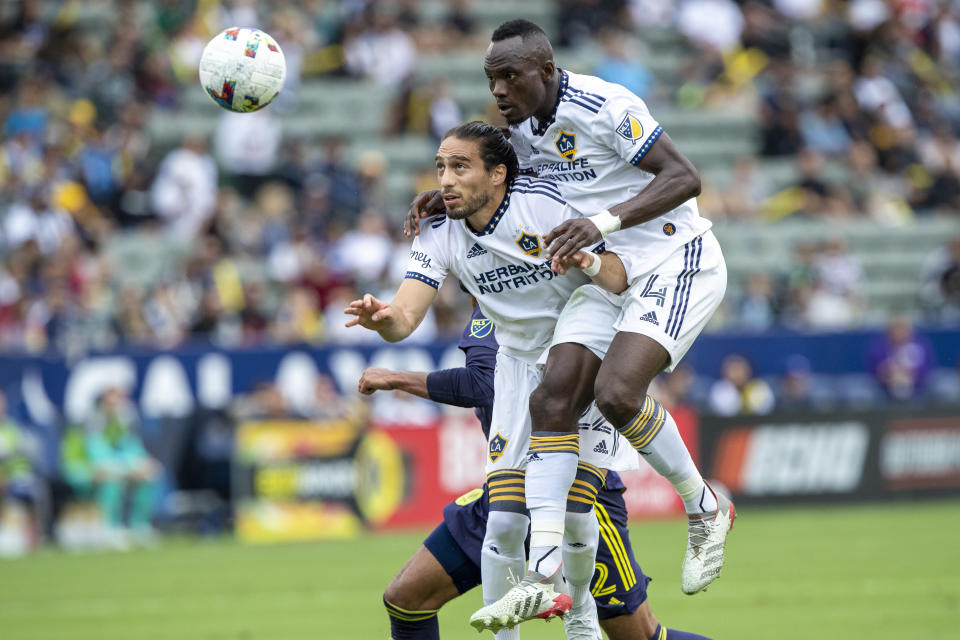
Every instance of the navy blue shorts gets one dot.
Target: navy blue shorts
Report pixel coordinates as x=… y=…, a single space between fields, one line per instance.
x=619 y=585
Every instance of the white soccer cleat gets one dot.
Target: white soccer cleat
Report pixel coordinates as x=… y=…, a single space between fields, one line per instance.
x=535 y=596
x=706 y=538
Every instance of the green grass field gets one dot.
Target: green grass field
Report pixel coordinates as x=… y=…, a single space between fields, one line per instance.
x=878 y=572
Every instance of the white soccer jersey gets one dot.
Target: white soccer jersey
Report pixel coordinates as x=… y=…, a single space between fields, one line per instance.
x=502 y=266
x=590 y=147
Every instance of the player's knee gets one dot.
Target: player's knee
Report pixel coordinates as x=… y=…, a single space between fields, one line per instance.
x=506 y=531
x=551 y=409
x=619 y=400
x=403 y=595
x=646 y=620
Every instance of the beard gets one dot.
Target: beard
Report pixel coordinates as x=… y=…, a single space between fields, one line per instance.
x=468 y=206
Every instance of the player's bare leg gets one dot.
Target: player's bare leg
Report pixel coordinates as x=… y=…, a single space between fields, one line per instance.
x=415 y=595
x=643 y=624
x=640 y=624
x=566 y=389
x=631 y=363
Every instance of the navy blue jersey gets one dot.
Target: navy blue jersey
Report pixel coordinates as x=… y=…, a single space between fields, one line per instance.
x=479 y=333
x=472 y=384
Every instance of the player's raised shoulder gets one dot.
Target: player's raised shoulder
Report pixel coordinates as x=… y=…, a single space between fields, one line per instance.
x=433 y=222
x=587 y=93
x=600 y=90
x=435 y=238
x=532 y=186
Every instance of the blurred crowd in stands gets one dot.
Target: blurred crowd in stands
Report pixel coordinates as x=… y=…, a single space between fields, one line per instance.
x=867 y=86
x=102 y=482
x=103 y=492
x=264 y=238
x=268 y=236
x=900 y=365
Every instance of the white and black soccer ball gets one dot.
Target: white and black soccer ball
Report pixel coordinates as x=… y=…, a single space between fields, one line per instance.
x=242 y=69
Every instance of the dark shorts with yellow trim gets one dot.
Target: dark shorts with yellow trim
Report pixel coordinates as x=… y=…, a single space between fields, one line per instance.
x=619 y=585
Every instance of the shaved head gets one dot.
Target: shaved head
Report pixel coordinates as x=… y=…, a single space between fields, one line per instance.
x=520 y=70
x=534 y=43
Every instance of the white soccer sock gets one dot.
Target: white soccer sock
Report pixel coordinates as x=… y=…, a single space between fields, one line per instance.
x=507 y=634
x=548 y=482
x=669 y=456
x=580 y=541
x=502 y=555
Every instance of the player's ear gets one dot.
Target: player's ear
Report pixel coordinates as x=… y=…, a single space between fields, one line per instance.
x=547 y=69
x=499 y=174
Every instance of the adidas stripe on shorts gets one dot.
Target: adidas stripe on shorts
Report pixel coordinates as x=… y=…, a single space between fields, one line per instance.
x=670 y=303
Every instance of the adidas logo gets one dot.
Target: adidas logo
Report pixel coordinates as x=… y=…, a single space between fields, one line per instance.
x=534 y=457
x=614 y=600
x=649 y=316
x=601 y=448
x=475 y=250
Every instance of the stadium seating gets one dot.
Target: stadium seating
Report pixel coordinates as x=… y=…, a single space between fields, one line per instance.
x=891 y=258
x=712 y=138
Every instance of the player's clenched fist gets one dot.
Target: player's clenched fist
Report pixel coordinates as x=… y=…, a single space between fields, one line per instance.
x=374 y=379
x=370 y=313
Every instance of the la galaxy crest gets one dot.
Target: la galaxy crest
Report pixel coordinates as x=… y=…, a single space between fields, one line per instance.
x=630 y=128
x=529 y=244
x=566 y=144
x=480 y=327
x=497 y=444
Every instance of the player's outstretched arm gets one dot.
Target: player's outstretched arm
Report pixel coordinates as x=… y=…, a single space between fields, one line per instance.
x=376 y=379
x=606 y=270
x=470 y=385
x=675 y=181
x=424 y=205
x=397 y=319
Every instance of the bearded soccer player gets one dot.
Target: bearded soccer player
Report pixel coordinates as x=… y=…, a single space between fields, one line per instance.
x=491 y=241
x=612 y=161
x=447 y=565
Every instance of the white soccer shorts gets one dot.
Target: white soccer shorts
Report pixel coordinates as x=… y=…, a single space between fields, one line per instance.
x=669 y=303
x=515 y=379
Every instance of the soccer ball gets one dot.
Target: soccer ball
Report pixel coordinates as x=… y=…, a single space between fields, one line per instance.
x=242 y=69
